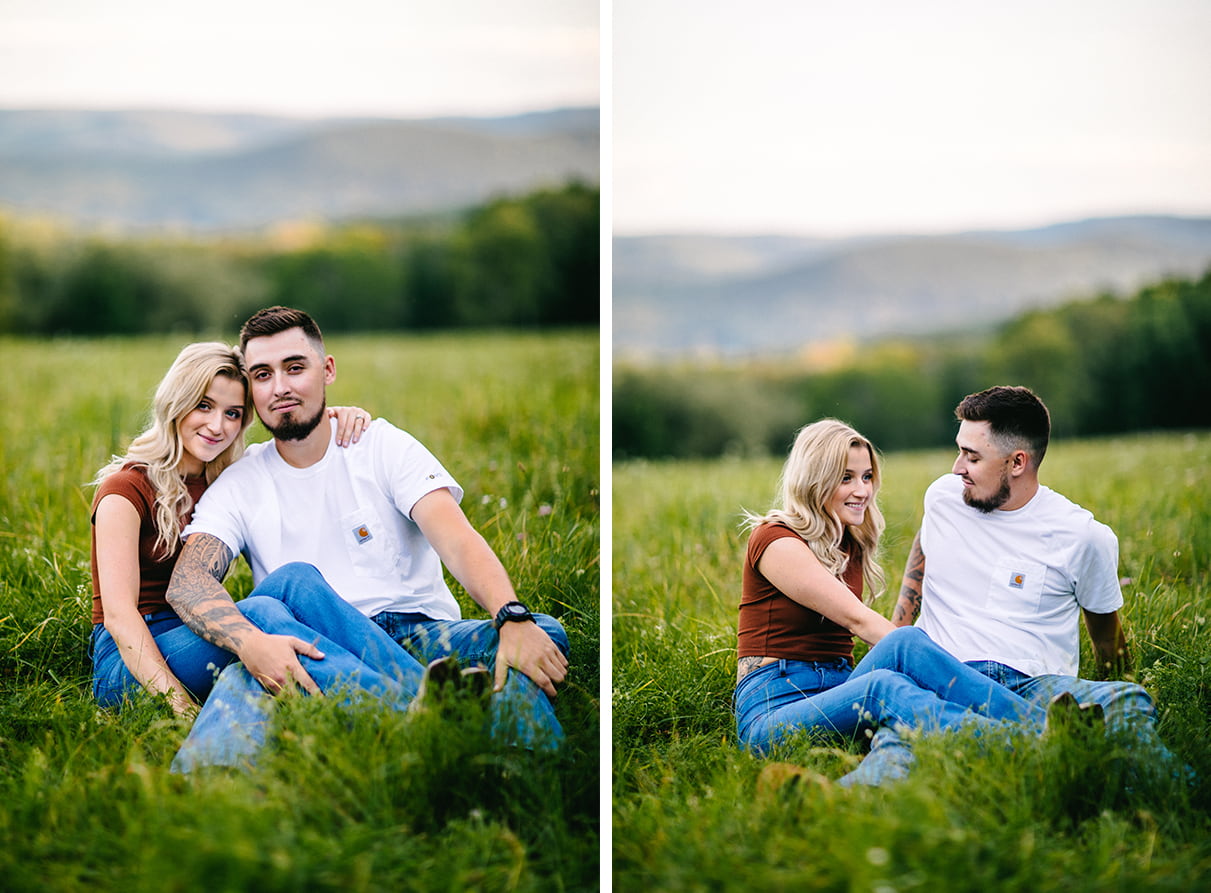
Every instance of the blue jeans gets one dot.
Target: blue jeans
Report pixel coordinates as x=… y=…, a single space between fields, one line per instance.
x=1128 y=707
x=193 y=660
x=905 y=681
x=521 y=714
x=358 y=657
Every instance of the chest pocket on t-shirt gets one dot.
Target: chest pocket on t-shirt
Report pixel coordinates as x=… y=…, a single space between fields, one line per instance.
x=1016 y=587
x=372 y=549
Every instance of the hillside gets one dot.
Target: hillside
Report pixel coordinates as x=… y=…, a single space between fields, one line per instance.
x=682 y=293
x=199 y=171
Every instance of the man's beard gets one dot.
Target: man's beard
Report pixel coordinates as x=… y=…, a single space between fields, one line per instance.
x=993 y=502
x=290 y=428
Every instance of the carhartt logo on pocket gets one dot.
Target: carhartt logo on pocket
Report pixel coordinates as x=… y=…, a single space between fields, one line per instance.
x=1017 y=581
x=363 y=534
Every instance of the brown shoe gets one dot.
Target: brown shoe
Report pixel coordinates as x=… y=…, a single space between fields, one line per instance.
x=1064 y=712
x=440 y=678
x=477 y=681
x=782 y=778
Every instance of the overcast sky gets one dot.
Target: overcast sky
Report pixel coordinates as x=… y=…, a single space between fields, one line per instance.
x=402 y=58
x=834 y=118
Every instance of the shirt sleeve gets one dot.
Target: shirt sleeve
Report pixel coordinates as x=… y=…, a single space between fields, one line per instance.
x=1096 y=571
x=933 y=493
x=131 y=486
x=763 y=537
x=409 y=470
x=219 y=513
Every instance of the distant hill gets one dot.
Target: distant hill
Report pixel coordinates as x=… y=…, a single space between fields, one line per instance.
x=214 y=171
x=680 y=294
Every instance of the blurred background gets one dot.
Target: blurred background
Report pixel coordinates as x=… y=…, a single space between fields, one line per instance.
x=170 y=168
x=870 y=210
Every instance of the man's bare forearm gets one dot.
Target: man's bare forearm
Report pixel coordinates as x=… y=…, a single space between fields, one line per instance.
x=197 y=594
x=908 y=606
x=1110 y=649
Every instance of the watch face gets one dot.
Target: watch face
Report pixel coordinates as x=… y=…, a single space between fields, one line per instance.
x=513 y=612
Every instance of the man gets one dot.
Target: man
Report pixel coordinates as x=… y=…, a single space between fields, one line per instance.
x=378 y=519
x=1012 y=566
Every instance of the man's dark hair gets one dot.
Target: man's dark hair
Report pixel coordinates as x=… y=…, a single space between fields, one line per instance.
x=272 y=320
x=1018 y=419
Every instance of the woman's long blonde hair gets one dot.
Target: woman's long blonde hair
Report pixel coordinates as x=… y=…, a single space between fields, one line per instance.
x=811 y=474
x=159 y=448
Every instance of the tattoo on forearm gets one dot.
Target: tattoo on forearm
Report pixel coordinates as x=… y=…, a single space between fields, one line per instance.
x=196 y=592
x=908 y=607
x=746 y=665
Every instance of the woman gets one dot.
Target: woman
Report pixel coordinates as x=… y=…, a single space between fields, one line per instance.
x=143 y=501
x=801 y=606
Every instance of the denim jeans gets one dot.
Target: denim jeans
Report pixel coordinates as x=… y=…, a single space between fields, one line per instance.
x=362 y=655
x=905 y=681
x=1128 y=707
x=193 y=660
x=521 y=714
x=358 y=657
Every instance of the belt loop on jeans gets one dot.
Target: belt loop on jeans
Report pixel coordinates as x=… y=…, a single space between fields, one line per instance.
x=159 y=615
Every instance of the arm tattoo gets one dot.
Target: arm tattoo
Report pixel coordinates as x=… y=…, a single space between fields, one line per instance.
x=196 y=592
x=908 y=607
x=746 y=665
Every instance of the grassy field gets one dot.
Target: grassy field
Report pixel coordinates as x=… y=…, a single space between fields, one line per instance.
x=345 y=800
x=1054 y=814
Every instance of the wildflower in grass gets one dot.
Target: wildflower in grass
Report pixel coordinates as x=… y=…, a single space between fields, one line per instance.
x=544 y=510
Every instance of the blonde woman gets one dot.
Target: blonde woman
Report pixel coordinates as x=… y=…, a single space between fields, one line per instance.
x=808 y=562
x=143 y=501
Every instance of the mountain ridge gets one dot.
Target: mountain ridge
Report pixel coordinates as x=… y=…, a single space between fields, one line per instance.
x=139 y=169
x=681 y=294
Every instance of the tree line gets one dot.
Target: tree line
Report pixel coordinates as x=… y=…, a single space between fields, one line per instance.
x=516 y=261
x=1104 y=365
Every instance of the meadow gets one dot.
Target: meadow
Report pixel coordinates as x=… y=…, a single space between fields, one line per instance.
x=1058 y=813
x=345 y=798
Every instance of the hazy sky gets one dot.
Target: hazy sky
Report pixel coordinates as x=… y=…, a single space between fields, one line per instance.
x=391 y=57
x=833 y=118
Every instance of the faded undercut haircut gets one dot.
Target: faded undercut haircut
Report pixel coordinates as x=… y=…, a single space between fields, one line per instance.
x=1016 y=417
x=272 y=320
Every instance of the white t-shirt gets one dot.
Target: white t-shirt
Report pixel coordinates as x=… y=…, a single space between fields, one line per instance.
x=1009 y=586
x=348 y=514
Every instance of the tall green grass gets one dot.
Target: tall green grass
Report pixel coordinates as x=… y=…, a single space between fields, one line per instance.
x=345 y=799
x=1054 y=814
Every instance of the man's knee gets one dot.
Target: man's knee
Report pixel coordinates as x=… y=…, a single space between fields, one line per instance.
x=291 y=578
x=555 y=630
x=906 y=638
x=1124 y=699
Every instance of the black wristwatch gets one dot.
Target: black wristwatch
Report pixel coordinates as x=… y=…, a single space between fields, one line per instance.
x=511 y=611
